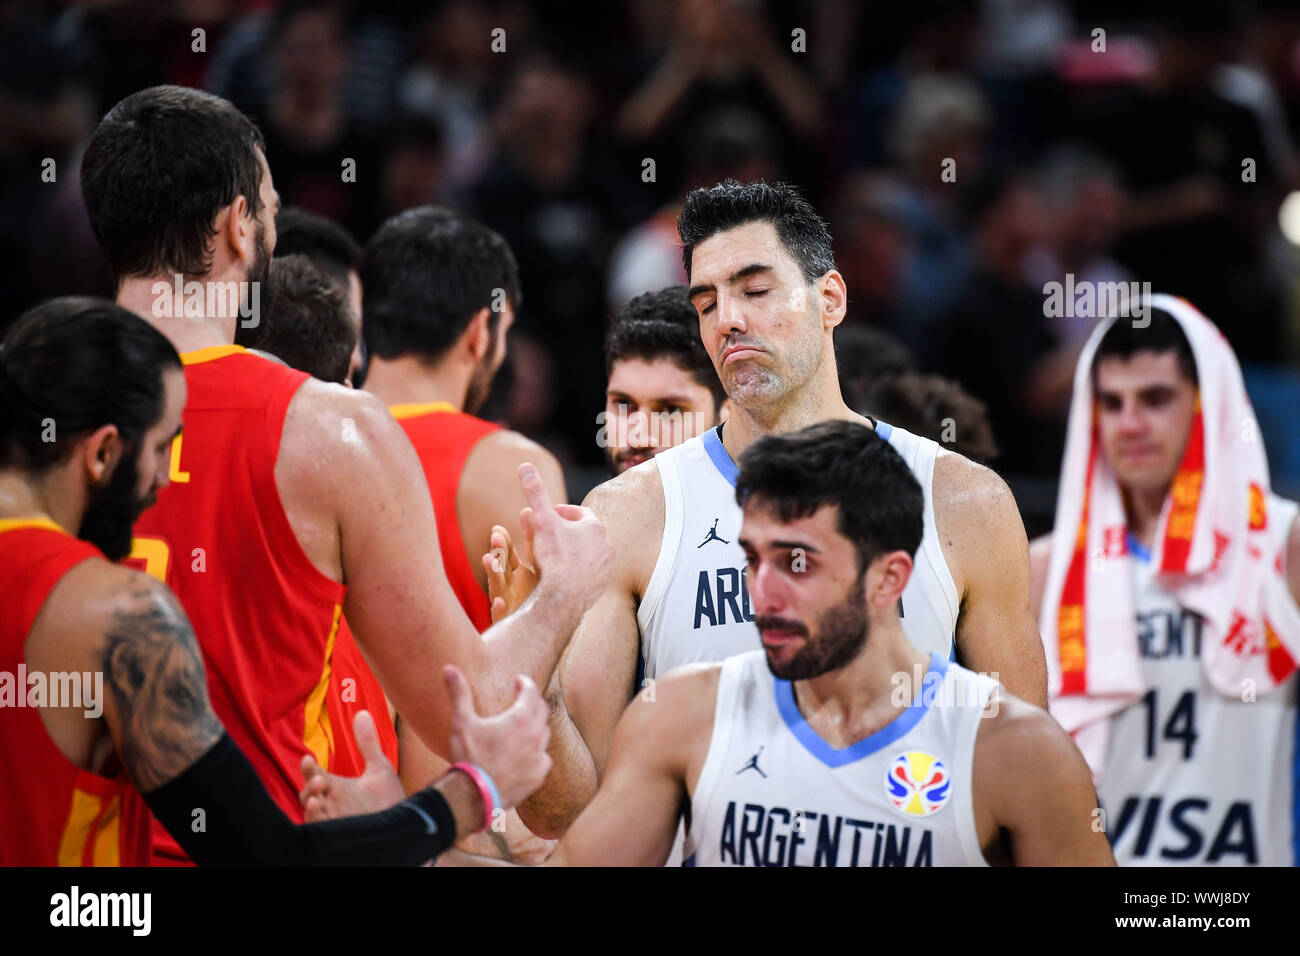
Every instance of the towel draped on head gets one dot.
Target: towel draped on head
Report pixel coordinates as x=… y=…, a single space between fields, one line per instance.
x=1217 y=550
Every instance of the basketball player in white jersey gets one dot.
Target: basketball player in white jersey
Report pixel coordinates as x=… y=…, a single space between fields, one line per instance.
x=661 y=387
x=839 y=743
x=768 y=295
x=1191 y=776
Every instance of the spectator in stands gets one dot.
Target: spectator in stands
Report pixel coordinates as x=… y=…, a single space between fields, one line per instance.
x=997 y=341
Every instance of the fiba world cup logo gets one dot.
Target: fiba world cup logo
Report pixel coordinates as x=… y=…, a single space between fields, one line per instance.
x=917 y=784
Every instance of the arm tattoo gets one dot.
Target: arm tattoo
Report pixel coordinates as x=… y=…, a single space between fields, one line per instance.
x=156 y=678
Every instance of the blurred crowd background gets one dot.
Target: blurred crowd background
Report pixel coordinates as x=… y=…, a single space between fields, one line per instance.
x=1118 y=156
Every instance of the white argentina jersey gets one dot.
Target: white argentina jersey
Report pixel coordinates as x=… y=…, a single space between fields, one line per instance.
x=696 y=607
x=1192 y=776
x=773 y=793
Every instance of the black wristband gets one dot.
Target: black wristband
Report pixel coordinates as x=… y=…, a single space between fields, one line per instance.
x=431 y=803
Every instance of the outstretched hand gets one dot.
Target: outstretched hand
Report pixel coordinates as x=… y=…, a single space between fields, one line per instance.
x=328 y=796
x=509 y=578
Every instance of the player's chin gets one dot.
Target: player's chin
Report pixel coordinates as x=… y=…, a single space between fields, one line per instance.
x=750 y=383
x=1139 y=478
x=783 y=654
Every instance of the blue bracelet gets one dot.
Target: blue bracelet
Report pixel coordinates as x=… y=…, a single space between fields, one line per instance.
x=492 y=787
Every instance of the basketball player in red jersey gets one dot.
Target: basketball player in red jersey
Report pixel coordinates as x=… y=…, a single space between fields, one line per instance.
x=292 y=500
x=440 y=293
x=311 y=326
x=101 y=684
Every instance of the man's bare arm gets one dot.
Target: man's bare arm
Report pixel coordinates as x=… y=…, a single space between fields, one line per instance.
x=658 y=751
x=489 y=494
x=981 y=533
x=1030 y=777
x=129 y=627
x=554 y=806
x=399 y=604
x=599 y=668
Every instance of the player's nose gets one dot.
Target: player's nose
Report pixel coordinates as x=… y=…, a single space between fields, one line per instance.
x=765 y=590
x=1130 y=418
x=731 y=314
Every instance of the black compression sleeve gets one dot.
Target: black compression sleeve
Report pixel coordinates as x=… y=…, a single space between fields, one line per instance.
x=241 y=825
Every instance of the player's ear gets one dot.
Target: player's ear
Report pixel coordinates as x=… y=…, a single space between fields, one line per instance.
x=834 y=299
x=478 y=335
x=99 y=452
x=235 y=230
x=887 y=577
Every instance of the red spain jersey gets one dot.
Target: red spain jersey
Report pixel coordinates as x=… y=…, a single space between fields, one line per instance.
x=266 y=619
x=443 y=438
x=51 y=811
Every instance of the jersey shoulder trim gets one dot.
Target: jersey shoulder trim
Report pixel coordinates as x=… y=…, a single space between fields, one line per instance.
x=717 y=453
x=19 y=524
x=412 y=410
x=210 y=354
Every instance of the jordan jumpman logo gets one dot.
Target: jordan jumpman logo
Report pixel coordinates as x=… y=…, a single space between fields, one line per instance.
x=712 y=536
x=752 y=765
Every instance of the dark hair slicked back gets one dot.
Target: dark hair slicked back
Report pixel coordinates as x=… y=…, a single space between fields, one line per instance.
x=844 y=464
x=78 y=363
x=714 y=209
x=663 y=325
x=1162 y=334
x=159 y=167
x=424 y=275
